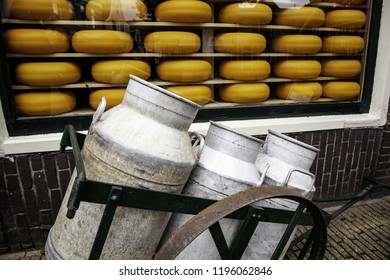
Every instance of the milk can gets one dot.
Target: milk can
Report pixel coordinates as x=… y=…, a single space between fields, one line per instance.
x=226 y=166
x=143 y=142
x=283 y=161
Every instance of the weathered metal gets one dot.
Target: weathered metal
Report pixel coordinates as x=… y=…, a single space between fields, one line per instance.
x=226 y=166
x=144 y=143
x=285 y=162
x=211 y=215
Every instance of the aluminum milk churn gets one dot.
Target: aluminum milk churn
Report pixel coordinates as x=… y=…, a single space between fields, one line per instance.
x=226 y=166
x=143 y=142
x=283 y=161
x=286 y=161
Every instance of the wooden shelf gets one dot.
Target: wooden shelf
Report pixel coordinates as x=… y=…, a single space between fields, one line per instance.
x=160 y=55
x=217 y=81
x=213 y=104
x=84 y=24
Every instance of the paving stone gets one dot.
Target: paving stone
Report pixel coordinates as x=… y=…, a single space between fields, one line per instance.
x=362 y=232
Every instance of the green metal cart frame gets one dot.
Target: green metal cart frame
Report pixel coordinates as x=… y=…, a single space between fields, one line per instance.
x=206 y=212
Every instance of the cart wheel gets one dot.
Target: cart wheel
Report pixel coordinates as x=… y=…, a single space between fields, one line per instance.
x=314 y=247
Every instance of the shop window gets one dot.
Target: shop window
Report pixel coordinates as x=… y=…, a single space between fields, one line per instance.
x=247 y=60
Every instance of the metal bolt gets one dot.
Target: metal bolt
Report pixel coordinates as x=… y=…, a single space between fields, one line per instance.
x=114 y=198
x=256 y=216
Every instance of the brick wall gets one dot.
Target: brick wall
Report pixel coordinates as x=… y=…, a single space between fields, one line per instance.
x=382 y=170
x=32 y=185
x=31 y=192
x=346 y=157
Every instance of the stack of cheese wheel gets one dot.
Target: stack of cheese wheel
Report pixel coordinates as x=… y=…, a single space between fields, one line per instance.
x=102 y=41
x=119 y=71
x=341 y=90
x=172 y=42
x=113 y=97
x=296 y=44
x=36 y=41
x=343 y=44
x=47 y=73
x=299 y=91
x=39 y=9
x=300 y=17
x=246 y=13
x=183 y=11
x=45 y=103
x=240 y=43
x=345 y=19
x=244 y=93
x=129 y=10
x=341 y=68
x=199 y=94
x=184 y=71
x=297 y=69
x=244 y=70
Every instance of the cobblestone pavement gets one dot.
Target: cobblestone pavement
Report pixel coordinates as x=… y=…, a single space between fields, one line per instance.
x=361 y=232
x=24 y=255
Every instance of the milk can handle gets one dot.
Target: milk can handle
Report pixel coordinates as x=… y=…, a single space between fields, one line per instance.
x=197 y=141
x=300 y=171
x=266 y=167
x=99 y=111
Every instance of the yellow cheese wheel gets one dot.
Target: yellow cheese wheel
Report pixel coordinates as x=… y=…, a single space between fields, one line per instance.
x=299 y=91
x=347 y=2
x=119 y=71
x=45 y=103
x=300 y=17
x=36 y=41
x=113 y=97
x=345 y=19
x=246 y=13
x=183 y=11
x=129 y=10
x=296 y=44
x=341 y=90
x=197 y=93
x=39 y=9
x=244 y=93
x=184 y=70
x=343 y=44
x=47 y=73
x=102 y=41
x=172 y=42
x=245 y=70
x=341 y=68
x=240 y=43
x=297 y=69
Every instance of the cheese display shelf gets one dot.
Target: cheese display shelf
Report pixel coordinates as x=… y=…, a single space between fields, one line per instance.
x=306 y=40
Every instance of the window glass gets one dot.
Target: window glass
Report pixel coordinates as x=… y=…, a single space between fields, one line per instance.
x=239 y=60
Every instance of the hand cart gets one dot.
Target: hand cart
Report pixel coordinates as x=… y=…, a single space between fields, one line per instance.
x=206 y=212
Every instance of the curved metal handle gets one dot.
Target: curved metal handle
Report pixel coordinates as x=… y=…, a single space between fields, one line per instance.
x=266 y=167
x=197 y=141
x=291 y=171
x=99 y=112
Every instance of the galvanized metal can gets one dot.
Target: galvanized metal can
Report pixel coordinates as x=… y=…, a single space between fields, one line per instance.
x=283 y=161
x=144 y=143
x=226 y=166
